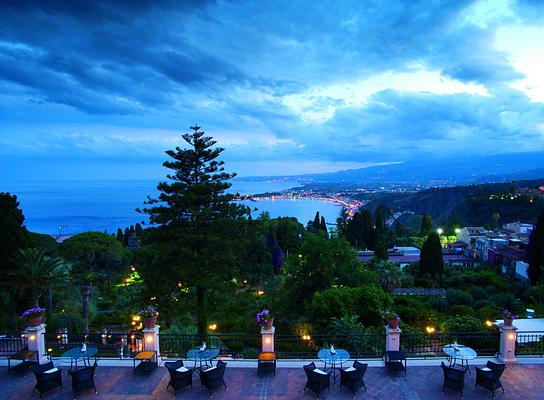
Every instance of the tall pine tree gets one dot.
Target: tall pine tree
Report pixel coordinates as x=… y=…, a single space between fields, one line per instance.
x=199 y=225
x=536 y=252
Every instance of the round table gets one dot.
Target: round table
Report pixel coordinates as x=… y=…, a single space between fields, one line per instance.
x=339 y=357
x=197 y=355
x=460 y=352
x=76 y=354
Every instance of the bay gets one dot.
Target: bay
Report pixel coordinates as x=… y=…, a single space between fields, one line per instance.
x=69 y=207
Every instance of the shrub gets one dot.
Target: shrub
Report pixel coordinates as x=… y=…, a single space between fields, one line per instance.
x=477 y=293
x=73 y=322
x=483 y=303
x=366 y=301
x=463 y=324
x=458 y=296
x=505 y=300
x=490 y=312
x=415 y=312
x=461 y=309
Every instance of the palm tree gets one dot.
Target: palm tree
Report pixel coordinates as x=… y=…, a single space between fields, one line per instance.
x=36 y=271
x=390 y=275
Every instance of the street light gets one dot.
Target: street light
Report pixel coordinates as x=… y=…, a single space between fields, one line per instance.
x=440 y=231
x=457 y=231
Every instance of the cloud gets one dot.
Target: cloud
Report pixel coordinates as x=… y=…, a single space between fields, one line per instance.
x=305 y=82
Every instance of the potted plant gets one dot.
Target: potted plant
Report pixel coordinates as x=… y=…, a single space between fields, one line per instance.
x=34 y=316
x=149 y=314
x=265 y=319
x=508 y=317
x=392 y=318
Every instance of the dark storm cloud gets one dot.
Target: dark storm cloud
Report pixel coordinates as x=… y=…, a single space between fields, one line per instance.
x=232 y=66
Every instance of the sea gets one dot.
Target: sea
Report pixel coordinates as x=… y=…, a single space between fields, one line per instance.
x=70 y=207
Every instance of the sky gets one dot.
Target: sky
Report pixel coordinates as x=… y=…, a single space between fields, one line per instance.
x=99 y=90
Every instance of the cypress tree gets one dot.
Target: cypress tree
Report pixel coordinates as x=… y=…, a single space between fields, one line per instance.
x=536 y=252
x=119 y=235
x=431 y=261
x=400 y=230
x=138 y=229
x=380 y=250
x=426 y=225
x=323 y=227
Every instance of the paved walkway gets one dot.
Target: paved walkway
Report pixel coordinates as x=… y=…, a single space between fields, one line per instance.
x=522 y=382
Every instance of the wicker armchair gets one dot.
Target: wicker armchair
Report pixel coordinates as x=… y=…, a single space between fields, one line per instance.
x=490 y=377
x=212 y=378
x=352 y=378
x=317 y=382
x=46 y=381
x=453 y=378
x=82 y=379
x=178 y=379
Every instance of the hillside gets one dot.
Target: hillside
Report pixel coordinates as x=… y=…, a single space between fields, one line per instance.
x=469 y=205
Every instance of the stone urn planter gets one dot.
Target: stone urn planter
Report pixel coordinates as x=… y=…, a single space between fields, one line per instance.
x=35 y=321
x=508 y=321
x=150 y=322
x=393 y=323
x=268 y=324
x=33 y=316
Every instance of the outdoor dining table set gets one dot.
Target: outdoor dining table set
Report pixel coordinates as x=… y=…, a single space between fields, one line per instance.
x=202 y=357
x=75 y=356
x=458 y=353
x=334 y=360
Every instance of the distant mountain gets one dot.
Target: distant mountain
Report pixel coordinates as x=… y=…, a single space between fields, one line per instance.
x=439 y=172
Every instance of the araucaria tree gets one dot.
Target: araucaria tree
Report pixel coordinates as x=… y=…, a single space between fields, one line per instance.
x=536 y=253
x=198 y=225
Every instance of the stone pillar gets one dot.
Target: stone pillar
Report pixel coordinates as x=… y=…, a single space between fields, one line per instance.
x=267 y=336
x=508 y=343
x=392 y=339
x=36 y=342
x=151 y=340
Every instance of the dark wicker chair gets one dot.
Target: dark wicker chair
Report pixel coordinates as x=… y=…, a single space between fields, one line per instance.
x=317 y=382
x=453 y=378
x=354 y=380
x=491 y=380
x=83 y=379
x=46 y=382
x=178 y=379
x=212 y=378
x=395 y=361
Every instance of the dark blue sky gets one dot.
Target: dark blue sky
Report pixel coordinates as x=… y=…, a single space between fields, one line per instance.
x=90 y=89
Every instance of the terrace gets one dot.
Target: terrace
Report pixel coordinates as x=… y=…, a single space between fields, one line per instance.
x=115 y=378
x=522 y=381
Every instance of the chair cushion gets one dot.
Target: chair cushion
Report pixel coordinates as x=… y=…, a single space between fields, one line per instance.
x=320 y=371
x=50 y=371
x=210 y=369
x=485 y=369
x=350 y=369
x=182 y=369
